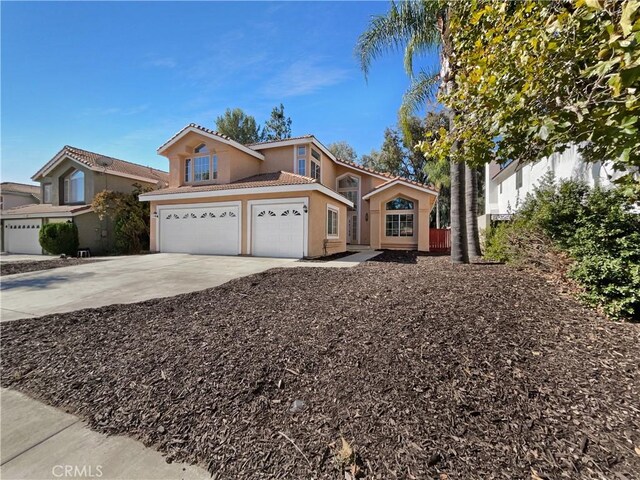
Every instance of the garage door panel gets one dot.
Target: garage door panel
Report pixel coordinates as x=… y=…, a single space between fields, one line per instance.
x=212 y=230
x=277 y=230
x=23 y=236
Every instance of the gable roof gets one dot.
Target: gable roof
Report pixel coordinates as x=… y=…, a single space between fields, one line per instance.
x=192 y=127
x=400 y=181
x=21 y=188
x=118 y=167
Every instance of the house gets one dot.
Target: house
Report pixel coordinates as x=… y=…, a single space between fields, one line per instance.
x=15 y=194
x=286 y=198
x=507 y=185
x=68 y=184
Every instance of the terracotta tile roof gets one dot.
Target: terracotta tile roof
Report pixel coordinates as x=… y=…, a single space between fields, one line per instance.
x=44 y=209
x=198 y=127
x=13 y=187
x=384 y=174
x=257 y=144
x=122 y=167
x=273 y=179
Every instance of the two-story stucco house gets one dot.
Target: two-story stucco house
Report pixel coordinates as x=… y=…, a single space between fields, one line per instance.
x=14 y=194
x=68 y=184
x=286 y=198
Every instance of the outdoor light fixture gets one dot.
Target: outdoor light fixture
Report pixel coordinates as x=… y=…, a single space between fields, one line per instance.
x=366 y=217
x=155 y=215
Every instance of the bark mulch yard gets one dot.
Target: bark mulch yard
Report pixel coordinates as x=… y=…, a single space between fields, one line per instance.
x=11 y=268
x=429 y=371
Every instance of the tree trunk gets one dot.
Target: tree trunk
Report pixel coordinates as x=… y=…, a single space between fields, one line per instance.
x=471 y=207
x=459 y=252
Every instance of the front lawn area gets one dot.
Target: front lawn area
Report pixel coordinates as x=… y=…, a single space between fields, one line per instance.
x=426 y=369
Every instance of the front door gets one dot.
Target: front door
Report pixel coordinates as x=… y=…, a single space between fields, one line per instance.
x=352 y=227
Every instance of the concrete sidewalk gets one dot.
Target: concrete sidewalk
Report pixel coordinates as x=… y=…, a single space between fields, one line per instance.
x=40 y=442
x=344 y=262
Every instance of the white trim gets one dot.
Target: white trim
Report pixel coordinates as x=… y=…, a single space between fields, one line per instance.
x=161 y=208
x=396 y=181
x=307 y=187
x=13 y=216
x=191 y=129
x=359 y=209
x=335 y=209
x=305 y=219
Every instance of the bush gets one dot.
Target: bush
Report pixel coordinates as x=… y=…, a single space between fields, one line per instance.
x=58 y=238
x=595 y=228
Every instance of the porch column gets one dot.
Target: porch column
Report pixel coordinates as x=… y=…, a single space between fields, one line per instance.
x=424 y=210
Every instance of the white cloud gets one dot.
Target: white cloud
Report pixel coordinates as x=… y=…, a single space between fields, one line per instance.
x=304 y=77
x=165 y=62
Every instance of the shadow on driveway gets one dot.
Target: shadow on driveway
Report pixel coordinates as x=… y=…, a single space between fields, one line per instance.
x=40 y=282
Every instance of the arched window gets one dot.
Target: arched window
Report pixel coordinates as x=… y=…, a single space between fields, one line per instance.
x=399 y=224
x=202 y=166
x=74 y=187
x=202 y=148
x=400 y=204
x=348 y=187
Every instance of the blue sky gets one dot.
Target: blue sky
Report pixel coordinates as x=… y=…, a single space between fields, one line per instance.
x=120 y=78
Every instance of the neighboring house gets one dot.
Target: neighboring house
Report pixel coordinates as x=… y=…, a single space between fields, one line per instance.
x=507 y=185
x=68 y=184
x=15 y=194
x=287 y=198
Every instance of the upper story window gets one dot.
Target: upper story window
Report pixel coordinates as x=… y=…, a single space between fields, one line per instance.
x=315 y=154
x=348 y=186
x=519 y=179
x=302 y=151
x=315 y=170
x=74 y=187
x=302 y=166
x=202 y=166
x=46 y=193
x=399 y=204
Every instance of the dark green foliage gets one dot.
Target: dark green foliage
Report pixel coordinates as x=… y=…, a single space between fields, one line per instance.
x=59 y=238
x=595 y=228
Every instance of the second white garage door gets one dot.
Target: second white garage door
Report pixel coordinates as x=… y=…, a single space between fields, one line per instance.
x=23 y=236
x=212 y=229
x=278 y=229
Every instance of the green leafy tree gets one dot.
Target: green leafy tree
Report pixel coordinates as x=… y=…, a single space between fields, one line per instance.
x=278 y=126
x=239 y=126
x=343 y=150
x=59 y=238
x=535 y=76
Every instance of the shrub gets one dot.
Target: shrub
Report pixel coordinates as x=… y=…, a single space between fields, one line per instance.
x=594 y=227
x=58 y=238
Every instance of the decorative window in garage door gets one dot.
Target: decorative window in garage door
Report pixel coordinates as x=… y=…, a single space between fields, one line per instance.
x=172 y=216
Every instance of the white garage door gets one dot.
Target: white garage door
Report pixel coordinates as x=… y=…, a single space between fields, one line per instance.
x=21 y=236
x=278 y=229
x=212 y=229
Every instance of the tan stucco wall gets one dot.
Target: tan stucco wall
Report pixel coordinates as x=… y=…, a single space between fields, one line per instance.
x=317 y=218
x=233 y=164
x=423 y=203
x=11 y=199
x=277 y=159
x=90 y=231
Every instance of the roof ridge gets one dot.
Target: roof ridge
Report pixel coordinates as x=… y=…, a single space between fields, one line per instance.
x=297 y=137
x=71 y=147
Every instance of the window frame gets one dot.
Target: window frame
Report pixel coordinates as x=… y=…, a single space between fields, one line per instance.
x=312 y=172
x=70 y=196
x=315 y=154
x=397 y=217
x=47 y=191
x=332 y=210
x=304 y=170
x=302 y=151
x=190 y=166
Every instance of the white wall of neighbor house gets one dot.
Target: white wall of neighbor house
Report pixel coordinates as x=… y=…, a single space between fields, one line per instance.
x=506 y=194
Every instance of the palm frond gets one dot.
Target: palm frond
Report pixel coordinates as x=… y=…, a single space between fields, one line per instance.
x=422 y=88
x=410 y=24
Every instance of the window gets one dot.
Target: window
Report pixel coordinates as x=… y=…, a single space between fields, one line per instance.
x=332 y=222
x=302 y=151
x=200 y=169
x=302 y=166
x=399 y=225
x=315 y=154
x=348 y=182
x=399 y=204
x=74 y=188
x=46 y=197
x=202 y=148
x=215 y=167
x=187 y=170
x=348 y=187
x=518 y=179
x=315 y=170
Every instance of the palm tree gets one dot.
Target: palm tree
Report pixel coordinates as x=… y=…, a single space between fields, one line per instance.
x=421 y=26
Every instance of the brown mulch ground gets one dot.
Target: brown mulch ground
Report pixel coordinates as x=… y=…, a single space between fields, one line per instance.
x=430 y=371
x=11 y=268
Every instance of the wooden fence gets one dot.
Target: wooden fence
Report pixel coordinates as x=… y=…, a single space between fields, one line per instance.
x=440 y=240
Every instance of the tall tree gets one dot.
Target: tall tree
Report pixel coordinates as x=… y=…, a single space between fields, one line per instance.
x=343 y=150
x=420 y=26
x=239 y=126
x=278 y=126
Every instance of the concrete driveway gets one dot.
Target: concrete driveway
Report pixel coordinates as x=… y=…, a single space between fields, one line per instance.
x=121 y=280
